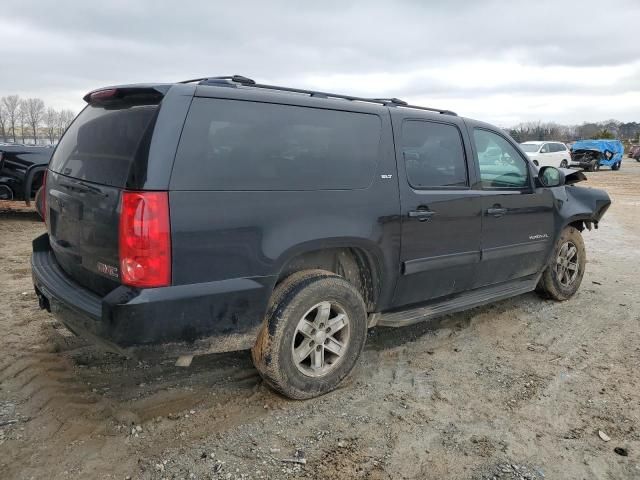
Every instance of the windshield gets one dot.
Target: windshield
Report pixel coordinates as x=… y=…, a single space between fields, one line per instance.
x=103 y=143
x=529 y=147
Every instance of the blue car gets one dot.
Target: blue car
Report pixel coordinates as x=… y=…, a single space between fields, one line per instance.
x=590 y=155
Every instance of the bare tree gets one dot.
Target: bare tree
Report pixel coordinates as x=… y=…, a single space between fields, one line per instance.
x=66 y=117
x=51 y=123
x=22 y=118
x=12 y=107
x=35 y=111
x=3 y=121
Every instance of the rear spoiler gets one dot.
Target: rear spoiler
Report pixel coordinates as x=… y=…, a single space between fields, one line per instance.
x=135 y=93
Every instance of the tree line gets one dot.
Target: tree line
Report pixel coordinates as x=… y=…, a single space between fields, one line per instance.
x=626 y=132
x=29 y=119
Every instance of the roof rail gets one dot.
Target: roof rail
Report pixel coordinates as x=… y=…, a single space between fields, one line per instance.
x=244 y=81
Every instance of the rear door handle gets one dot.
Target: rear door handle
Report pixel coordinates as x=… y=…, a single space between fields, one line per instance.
x=496 y=212
x=421 y=215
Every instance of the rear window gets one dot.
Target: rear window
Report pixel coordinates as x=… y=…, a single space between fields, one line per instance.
x=106 y=145
x=240 y=145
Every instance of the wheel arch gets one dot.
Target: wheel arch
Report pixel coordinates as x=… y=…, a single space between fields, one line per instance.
x=358 y=262
x=33 y=172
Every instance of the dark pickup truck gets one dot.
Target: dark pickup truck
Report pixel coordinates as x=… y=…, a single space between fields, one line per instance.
x=21 y=170
x=220 y=214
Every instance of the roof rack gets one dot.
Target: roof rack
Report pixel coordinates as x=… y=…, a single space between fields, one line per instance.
x=230 y=80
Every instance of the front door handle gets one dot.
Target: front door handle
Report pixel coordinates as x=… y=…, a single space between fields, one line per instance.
x=496 y=211
x=421 y=215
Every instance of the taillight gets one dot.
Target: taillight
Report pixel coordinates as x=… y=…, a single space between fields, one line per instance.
x=145 y=239
x=102 y=95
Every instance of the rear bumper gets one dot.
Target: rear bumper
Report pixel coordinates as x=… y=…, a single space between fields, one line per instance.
x=183 y=319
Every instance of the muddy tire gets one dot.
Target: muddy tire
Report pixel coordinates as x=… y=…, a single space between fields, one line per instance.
x=314 y=331
x=563 y=275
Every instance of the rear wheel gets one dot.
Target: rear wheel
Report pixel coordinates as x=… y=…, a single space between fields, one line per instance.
x=314 y=331
x=616 y=166
x=562 y=277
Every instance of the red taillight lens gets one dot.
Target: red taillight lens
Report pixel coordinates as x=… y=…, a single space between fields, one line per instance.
x=102 y=95
x=145 y=239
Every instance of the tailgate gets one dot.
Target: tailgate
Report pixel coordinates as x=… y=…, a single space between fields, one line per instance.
x=83 y=230
x=103 y=152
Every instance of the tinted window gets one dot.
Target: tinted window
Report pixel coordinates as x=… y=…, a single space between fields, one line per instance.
x=530 y=147
x=102 y=144
x=433 y=155
x=500 y=164
x=238 y=145
x=558 y=147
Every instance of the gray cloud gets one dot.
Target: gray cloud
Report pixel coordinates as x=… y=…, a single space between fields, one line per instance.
x=61 y=49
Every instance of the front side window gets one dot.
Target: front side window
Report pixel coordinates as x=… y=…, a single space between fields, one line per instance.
x=433 y=155
x=501 y=167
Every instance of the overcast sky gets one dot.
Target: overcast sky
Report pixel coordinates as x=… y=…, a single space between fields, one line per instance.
x=500 y=61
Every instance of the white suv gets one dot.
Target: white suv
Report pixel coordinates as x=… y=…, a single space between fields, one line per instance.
x=555 y=154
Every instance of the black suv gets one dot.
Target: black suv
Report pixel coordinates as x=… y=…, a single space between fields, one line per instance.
x=219 y=214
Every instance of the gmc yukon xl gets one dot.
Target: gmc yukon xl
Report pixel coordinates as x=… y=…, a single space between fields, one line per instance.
x=219 y=214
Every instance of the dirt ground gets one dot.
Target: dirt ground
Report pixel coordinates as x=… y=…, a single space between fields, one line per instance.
x=518 y=389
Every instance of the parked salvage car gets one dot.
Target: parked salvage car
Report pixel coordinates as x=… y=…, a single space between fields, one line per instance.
x=555 y=154
x=21 y=170
x=634 y=152
x=220 y=214
x=592 y=154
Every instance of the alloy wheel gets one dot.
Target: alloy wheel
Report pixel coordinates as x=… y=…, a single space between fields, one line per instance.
x=567 y=266
x=321 y=339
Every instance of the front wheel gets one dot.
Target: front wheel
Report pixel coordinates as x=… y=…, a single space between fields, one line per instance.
x=563 y=275
x=314 y=331
x=615 y=166
x=564 y=164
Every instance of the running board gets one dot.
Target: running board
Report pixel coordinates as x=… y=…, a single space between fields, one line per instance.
x=464 y=301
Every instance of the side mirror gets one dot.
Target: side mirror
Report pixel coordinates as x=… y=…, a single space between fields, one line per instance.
x=550 y=177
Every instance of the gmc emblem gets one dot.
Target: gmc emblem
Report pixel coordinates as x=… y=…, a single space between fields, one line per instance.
x=108 y=270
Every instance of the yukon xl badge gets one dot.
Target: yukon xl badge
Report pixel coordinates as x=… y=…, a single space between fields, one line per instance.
x=538 y=236
x=108 y=270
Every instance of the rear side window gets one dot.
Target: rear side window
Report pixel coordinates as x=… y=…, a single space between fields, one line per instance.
x=241 y=145
x=433 y=155
x=103 y=143
x=557 y=147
